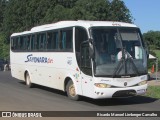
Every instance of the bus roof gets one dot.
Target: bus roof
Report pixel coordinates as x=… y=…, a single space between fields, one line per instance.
x=83 y=23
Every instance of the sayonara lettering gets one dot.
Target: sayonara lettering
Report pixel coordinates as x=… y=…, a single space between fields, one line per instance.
x=31 y=58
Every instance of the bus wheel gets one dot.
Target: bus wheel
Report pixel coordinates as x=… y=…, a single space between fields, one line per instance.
x=71 y=92
x=28 y=80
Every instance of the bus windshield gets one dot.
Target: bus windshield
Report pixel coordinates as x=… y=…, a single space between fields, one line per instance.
x=118 y=52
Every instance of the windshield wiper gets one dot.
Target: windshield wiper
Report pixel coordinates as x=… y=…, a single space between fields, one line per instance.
x=129 y=57
x=123 y=63
x=118 y=68
x=120 y=65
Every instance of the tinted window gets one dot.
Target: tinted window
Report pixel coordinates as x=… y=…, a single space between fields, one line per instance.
x=80 y=36
x=85 y=60
x=33 y=42
x=41 y=40
x=56 y=40
x=65 y=42
x=28 y=42
x=52 y=40
x=14 y=43
x=21 y=43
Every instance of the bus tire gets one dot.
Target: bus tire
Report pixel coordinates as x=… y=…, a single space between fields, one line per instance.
x=28 y=80
x=71 y=93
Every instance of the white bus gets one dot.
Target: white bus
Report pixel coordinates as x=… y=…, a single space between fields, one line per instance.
x=96 y=59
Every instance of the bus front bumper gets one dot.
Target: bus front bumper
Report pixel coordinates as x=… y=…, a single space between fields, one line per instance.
x=101 y=93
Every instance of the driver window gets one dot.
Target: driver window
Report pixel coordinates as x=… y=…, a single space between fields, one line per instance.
x=82 y=51
x=80 y=36
x=85 y=60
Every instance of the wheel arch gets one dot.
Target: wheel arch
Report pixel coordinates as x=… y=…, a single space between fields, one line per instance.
x=69 y=85
x=67 y=79
x=25 y=73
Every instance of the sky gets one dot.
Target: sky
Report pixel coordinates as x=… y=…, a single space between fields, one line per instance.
x=146 y=14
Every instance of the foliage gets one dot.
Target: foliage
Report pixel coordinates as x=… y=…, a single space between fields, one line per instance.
x=91 y=10
x=4 y=48
x=152 y=39
x=119 y=12
x=21 y=15
x=3 y=4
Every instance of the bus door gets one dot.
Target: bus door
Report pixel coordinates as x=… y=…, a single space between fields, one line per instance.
x=86 y=70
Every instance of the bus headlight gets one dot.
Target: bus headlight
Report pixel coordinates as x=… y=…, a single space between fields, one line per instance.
x=142 y=83
x=102 y=85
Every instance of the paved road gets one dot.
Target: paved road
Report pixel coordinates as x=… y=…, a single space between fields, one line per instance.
x=15 y=96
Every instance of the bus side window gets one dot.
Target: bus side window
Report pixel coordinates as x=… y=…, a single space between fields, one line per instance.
x=41 y=38
x=33 y=42
x=44 y=41
x=19 y=43
x=28 y=43
x=52 y=40
x=14 y=42
x=60 y=41
x=66 y=40
x=55 y=40
x=38 y=41
x=49 y=40
x=24 y=42
x=63 y=40
x=69 y=40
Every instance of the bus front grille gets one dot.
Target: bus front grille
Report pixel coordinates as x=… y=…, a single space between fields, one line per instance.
x=124 y=93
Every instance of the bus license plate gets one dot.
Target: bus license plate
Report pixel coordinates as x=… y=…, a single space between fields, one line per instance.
x=141 y=91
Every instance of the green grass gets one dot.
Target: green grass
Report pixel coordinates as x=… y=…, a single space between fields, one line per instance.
x=153 y=92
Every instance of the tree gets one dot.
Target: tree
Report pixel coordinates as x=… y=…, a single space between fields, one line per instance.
x=91 y=10
x=13 y=16
x=67 y=3
x=152 y=38
x=3 y=4
x=4 y=48
x=57 y=13
x=119 y=12
x=60 y=10
x=22 y=15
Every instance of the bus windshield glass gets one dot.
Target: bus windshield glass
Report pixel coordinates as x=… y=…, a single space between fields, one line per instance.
x=119 y=51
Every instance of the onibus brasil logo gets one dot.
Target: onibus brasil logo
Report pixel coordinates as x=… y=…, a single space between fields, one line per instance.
x=31 y=58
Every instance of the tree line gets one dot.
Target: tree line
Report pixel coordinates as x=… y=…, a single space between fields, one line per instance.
x=152 y=38
x=22 y=15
